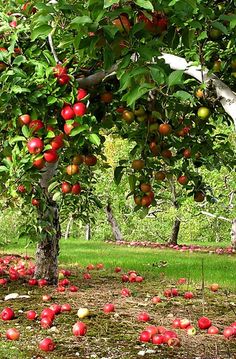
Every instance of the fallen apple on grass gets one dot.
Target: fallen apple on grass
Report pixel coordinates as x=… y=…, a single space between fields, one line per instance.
x=79 y=329
x=47 y=345
x=12 y=334
x=108 y=308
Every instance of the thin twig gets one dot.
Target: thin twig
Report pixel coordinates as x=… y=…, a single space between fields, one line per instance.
x=53 y=49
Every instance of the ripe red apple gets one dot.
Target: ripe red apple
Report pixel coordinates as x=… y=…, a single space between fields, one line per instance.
x=76 y=188
x=176 y=323
x=35 y=145
x=57 y=142
x=125 y=278
x=108 y=308
x=36 y=125
x=125 y=292
x=145 y=336
x=46 y=322
x=7 y=314
x=59 y=71
x=79 y=329
x=174 y=292
x=158 y=339
x=21 y=188
x=67 y=113
x=39 y=163
x=138 y=279
x=187 y=153
x=79 y=109
x=32 y=282
x=188 y=295
x=100 y=266
x=182 y=281
x=56 y=308
x=212 y=330
x=183 y=180
x=87 y=276
x=31 y=315
x=35 y=202
x=12 y=334
x=204 y=323
x=47 y=345
x=50 y=156
x=66 y=187
x=68 y=128
x=47 y=312
x=156 y=300
x=184 y=323
x=168 y=335
x=90 y=160
x=117 y=269
x=66 y=307
x=229 y=332
x=3 y=281
x=24 y=120
x=90 y=266
x=63 y=80
x=42 y=282
x=161 y=329
x=152 y=329
x=81 y=94
x=46 y=298
x=167 y=293
x=165 y=129
x=73 y=288
x=143 y=317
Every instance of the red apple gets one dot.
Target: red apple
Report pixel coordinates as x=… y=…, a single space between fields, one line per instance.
x=47 y=345
x=67 y=113
x=182 y=281
x=145 y=336
x=168 y=293
x=204 y=323
x=156 y=300
x=176 y=323
x=108 y=308
x=76 y=188
x=32 y=282
x=56 y=308
x=152 y=329
x=7 y=314
x=73 y=288
x=125 y=292
x=117 y=269
x=46 y=298
x=87 y=276
x=143 y=317
x=125 y=278
x=24 y=119
x=47 y=312
x=50 y=156
x=157 y=339
x=212 y=330
x=66 y=307
x=214 y=287
x=229 y=332
x=46 y=322
x=57 y=142
x=161 y=329
x=81 y=93
x=79 y=109
x=31 y=315
x=184 y=323
x=79 y=329
x=12 y=334
x=188 y=295
x=39 y=163
x=42 y=282
x=36 y=125
x=59 y=71
x=66 y=187
x=35 y=145
x=168 y=335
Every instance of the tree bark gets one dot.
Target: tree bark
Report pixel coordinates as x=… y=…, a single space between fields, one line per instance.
x=114 y=226
x=68 y=227
x=48 y=248
x=88 y=232
x=233 y=234
x=50 y=231
x=175 y=232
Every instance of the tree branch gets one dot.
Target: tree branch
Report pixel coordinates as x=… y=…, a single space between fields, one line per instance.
x=53 y=51
x=95 y=79
x=215 y=216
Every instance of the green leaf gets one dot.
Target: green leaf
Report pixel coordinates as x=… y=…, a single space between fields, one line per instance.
x=26 y=132
x=41 y=31
x=3 y=169
x=80 y=20
x=51 y=100
x=145 y=4
x=19 y=60
x=219 y=26
x=95 y=139
x=183 y=95
x=57 y=196
x=52 y=186
x=133 y=95
x=118 y=173
x=158 y=74
x=17 y=139
x=108 y=3
x=78 y=130
x=175 y=78
x=143 y=212
x=132 y=182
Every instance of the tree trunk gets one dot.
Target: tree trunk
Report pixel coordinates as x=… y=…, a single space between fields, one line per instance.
x=175 y=232
x=114 y=226
x=233 y=234
x=68 y=227
x=88 y=232
x=50 y=231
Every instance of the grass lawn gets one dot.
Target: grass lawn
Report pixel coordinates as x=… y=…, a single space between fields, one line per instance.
x=147 y=261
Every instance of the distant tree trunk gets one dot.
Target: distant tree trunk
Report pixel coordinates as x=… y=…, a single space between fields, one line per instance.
x=48 y=219
x=114 y=226
x=233 y=234
x=176 y=226
x=88 y=232
x=68 y=227
x=175 y=232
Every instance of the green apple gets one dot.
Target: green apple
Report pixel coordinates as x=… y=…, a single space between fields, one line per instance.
x=203 y=113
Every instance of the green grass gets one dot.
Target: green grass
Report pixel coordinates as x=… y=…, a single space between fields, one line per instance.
x=216 y=268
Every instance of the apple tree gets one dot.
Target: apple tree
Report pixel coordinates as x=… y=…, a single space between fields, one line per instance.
x=73 y=70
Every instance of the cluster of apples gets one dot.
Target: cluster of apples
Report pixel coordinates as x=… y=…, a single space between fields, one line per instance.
x=132 y=276
x=13 y=268
x=144 y=194
x=159 y=335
